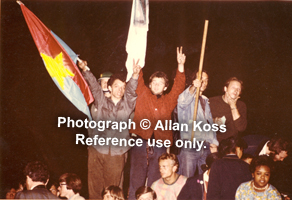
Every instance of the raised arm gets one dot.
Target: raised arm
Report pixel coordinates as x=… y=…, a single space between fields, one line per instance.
x=130 y=94
x=136 y=69
x=93 y=84
x=187 y=96
x=181 y=59
x=179 y=80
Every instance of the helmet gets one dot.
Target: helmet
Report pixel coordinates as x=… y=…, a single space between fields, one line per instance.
x=105 y=75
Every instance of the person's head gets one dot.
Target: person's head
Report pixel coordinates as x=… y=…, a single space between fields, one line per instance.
x=54 y=190
x=103 y=83
x=232 y=145
x=117 y=85
x=53 y=187
x=112 y=192
x=10 y=192
x=260 y=168
x=278 y=146
x=233 y=87
x=70 y=184
x=158 y=83
x=240 y=145
x=145 y=193
x=204 y=78
x=211 y=158
x=247 y=158
x=36 y=173
x=168 y=165
x=104 y=78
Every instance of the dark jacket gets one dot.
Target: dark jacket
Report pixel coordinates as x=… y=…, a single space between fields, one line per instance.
x=38 y=192
x=107 y=111
x=225 y=176
x=193 y=189
x=220 y=108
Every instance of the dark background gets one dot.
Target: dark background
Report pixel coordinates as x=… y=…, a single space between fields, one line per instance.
x=249 y=40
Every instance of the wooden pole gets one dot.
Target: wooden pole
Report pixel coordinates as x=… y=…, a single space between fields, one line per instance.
x=200 y=73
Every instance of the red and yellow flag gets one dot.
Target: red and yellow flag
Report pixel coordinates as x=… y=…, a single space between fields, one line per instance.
x=60 y=61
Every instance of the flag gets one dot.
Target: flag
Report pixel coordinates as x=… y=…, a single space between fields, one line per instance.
x=59 y=61
x=137 y=36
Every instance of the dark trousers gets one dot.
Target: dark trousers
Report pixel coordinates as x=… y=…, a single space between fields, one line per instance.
x=103 y=170
x=140 y=170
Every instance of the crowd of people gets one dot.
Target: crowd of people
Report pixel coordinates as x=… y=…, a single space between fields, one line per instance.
x=220 y=170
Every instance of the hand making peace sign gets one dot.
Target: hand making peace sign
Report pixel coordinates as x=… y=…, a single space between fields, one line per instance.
x=181 y=57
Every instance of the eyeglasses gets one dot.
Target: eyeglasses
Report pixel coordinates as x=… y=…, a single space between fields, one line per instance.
x=62 y=184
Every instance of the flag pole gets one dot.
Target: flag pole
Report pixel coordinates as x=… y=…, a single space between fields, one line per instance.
x=200 y=73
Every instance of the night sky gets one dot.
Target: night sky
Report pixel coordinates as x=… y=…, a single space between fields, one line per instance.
x=249 y=40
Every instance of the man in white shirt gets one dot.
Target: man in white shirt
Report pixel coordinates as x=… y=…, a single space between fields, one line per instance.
x=170 y=184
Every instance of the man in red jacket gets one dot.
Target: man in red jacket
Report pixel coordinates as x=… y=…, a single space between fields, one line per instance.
x=153 y=105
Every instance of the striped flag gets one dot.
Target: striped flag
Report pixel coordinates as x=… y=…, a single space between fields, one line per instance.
x=59 y=61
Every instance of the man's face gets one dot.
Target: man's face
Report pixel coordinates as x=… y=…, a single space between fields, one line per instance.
x=233 y=90
x=261 y=176
x=239 y=152
x=108 y=196
x=117 y=89
x=11 y=194
x=103 y=83
x=63 y=189
x=54 y=190
x=248 y=160
x=167 y=168
x=281 y=156
x=146 y=196
x=205 y=79
x=157 y=86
